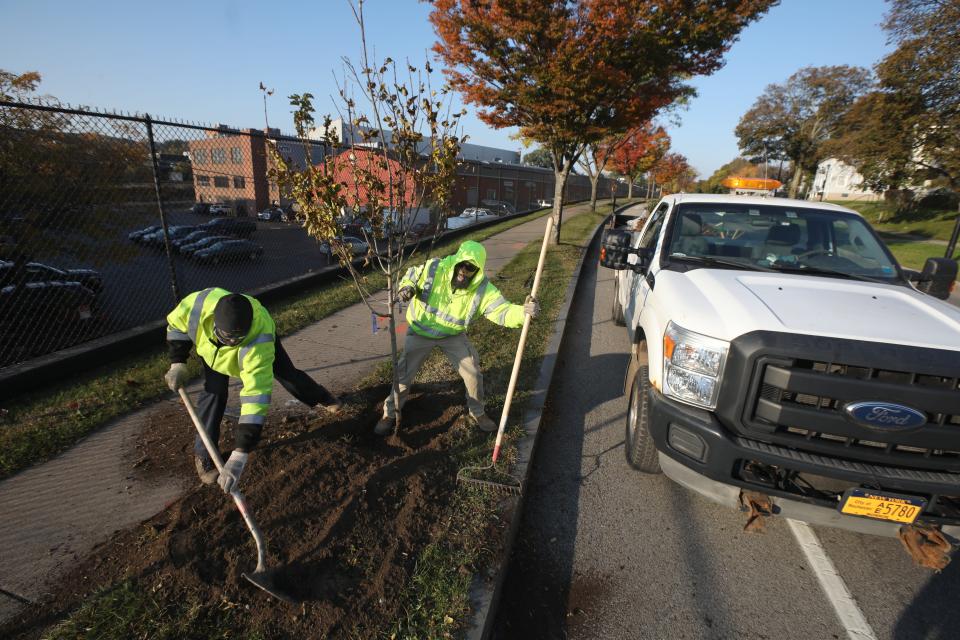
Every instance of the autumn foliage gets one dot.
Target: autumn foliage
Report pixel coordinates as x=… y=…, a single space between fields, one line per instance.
x=640 y=151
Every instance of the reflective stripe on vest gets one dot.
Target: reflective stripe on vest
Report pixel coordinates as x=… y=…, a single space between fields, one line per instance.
x=251 y=419
x=260 y=339
x=173 y=334
x=263 y=398
x=482 y=289
x=493 y=305
x=428 y=283
x=193 y=325
x=430 y=331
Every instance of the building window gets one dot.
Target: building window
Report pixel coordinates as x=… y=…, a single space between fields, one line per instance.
x=218 y=156
x=200 y=156
x=203 y=181
x=221 y=181
x=239 y=182
x=236 y=155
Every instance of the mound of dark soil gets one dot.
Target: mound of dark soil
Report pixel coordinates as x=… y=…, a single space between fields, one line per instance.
x=344 y=514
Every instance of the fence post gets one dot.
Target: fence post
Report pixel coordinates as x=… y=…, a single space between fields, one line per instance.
x=163 y=216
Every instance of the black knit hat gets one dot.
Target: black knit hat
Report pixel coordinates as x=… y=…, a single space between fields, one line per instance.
x=233 y=315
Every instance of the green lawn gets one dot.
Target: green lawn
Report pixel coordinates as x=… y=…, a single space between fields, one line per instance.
x=935 y=224
x=912 y=254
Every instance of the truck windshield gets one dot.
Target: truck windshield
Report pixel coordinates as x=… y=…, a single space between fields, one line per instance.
x=781 y=238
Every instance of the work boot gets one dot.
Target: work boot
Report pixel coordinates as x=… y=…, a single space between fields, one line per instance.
x=384 y=426
x=205 y=469
x=484 y=423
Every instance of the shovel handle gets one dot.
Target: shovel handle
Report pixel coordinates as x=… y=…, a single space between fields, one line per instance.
x=238 y=498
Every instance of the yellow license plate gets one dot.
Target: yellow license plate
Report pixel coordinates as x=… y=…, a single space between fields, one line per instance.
x=882 y=506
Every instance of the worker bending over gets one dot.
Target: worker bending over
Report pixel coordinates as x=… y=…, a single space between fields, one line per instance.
x=235 y=338
x=445 y=296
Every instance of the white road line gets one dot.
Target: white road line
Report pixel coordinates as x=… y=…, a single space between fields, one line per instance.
x=833 y=586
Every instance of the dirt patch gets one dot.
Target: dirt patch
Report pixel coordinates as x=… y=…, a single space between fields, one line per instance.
x=344 y=514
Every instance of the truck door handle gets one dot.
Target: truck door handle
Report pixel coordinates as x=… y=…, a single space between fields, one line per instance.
x=650 y=279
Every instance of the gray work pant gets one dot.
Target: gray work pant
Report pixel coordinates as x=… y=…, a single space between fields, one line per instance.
x=462 y=356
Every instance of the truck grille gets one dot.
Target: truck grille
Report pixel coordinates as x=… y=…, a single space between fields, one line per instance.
x=799 y=403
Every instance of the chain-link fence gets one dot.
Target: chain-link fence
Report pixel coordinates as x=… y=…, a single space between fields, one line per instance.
x=106 y=220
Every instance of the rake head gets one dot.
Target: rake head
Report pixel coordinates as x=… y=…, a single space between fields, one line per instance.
x=489 y=477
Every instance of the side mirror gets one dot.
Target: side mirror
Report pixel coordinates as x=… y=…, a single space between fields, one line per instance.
x=639 y=260
x=938 y=277
x=614 y=248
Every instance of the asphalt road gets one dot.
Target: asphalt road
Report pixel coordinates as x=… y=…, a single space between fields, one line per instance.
x=607 y=552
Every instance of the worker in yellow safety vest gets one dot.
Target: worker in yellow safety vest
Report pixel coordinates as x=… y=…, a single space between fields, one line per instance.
x=445 y=296
x=235 y=337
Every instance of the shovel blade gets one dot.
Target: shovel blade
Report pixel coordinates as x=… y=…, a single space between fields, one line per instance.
x=264 y=580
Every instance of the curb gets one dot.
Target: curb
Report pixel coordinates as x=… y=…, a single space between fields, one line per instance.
x=485 y=589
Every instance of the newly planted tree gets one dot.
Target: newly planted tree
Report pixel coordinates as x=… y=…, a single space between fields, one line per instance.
x=389 y=177
x=572 y=73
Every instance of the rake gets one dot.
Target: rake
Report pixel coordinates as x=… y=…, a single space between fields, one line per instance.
x=500 y=480
x=261 y=577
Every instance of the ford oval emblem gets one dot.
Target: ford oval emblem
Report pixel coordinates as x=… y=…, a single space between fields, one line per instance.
x=885 y=416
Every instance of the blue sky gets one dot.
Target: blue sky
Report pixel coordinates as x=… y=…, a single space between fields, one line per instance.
x=203 y=61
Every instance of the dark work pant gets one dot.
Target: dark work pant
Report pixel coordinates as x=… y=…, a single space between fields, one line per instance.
x=213 y=399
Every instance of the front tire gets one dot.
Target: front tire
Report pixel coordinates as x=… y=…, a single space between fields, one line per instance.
x=617 y=312
x=638 y=442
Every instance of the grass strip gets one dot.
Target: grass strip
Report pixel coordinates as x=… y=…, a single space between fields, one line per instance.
x=37 y=426
x=934 y=224
x=436 y=600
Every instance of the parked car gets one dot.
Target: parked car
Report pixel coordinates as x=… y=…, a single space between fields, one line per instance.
x=229 y=250
x=779 y=352
x=220 y=210
x=242 y=227
x=60 y=311
x=203 y=243
x=498 y=207
x=137 y=235
x=273 y=214
x=357 y=246
x=190 y=238
x=155 y=239
x=200 y=208
x=39 y=272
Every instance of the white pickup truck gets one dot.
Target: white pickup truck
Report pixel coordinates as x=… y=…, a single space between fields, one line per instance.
x=779 y=351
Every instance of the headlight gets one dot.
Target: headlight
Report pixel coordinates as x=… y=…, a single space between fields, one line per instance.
x=692 y=366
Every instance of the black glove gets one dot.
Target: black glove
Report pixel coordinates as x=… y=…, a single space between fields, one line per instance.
x=406 y=294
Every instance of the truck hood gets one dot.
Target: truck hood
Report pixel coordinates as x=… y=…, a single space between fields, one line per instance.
x=726 y=303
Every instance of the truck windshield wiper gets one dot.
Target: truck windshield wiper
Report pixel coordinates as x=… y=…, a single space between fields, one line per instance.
x=802 y=268
x=713 y=260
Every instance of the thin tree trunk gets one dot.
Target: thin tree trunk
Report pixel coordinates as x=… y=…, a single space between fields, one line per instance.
x=630 y=189
x=560 y=183
x=594 y=179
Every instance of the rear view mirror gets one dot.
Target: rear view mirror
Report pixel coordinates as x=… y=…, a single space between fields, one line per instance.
x=938 y=277
x=614 y=248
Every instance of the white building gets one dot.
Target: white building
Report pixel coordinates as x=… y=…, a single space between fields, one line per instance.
x=348 y=135
x=836 y=180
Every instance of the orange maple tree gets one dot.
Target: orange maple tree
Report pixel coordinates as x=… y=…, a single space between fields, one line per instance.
x=674 y=173
x=569 y=73
x=639 y=152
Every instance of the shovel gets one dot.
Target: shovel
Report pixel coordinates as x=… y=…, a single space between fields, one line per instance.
x=501 y=480
x=260 y=577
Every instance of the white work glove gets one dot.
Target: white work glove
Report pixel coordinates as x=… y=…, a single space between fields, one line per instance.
x=405 y=294
x=232 y=470
x=176 y=376
x=531 y=307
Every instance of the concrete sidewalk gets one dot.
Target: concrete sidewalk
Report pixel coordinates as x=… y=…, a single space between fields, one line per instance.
x=54 y=514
